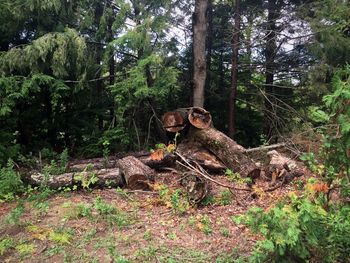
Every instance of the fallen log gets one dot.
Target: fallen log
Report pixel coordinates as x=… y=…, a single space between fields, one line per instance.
x=137 y=175
x=195 y=152
x=86 y=179
x=226 y=150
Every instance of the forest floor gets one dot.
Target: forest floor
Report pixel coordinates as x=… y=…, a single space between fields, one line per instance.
x=110 y=225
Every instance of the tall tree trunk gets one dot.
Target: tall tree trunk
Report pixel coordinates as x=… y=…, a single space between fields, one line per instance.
x=98 y=15
x=234 y=72
x=199 y=36
x=111 y=63
x=270 y=53
x=209 y=43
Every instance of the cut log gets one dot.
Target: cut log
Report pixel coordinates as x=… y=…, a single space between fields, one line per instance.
x=226 y=150
x=103 y=177
x=199 y=118
x=168 y=160
x=137 y=175
x=173 y=121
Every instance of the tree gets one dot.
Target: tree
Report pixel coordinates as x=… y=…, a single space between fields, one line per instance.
x=234 y=71
x=199 y=58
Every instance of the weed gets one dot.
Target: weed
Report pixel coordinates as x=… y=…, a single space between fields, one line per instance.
x=78 y=211
x=60 y=237
x=147 y=235
x=236 y=177
x=225 y=232
x=14 y=216
x=111 y=213
x=192 y=221
x=208 y=200
x=10 y=182
x=87 y=179
x=172 y=236
x=225 y=197
x=146 y=254
x=206 y=225
x=25 y=249
x=5 y=244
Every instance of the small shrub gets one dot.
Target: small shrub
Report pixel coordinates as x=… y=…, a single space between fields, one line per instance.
x=5 y=244
x=10 y=182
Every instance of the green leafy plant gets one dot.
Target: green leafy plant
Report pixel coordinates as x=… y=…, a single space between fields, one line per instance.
x=86 y=178
x=10 y=182
x=14 y=216
x=6 y=244
x=299 y=230
x=110 y=213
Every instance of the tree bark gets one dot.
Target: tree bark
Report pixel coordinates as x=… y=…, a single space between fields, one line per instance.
x=199 y=36
x=234 y=72
x=105 y=177
x=270 y=53
x=137 y=175
x=226 y=150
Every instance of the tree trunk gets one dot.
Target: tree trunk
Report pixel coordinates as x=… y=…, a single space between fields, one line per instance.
x=104 y=177
x=199 y=36
x=137 y=175
x=226 y=150
x=209 y=44
x=234 y=73
x=270 y=53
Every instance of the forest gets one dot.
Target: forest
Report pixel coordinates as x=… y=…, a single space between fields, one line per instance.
x=174 y=131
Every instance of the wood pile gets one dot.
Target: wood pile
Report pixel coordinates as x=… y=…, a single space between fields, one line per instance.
x=197 y=151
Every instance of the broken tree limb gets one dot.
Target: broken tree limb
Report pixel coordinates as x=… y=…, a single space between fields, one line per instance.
x=226 y=150
x=137 y=175
x=266 y=147
x=102 y=177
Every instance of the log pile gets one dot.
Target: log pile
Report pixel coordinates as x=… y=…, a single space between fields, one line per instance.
x=197 y=151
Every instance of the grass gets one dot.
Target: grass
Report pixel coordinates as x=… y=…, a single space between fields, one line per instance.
x=92 y=228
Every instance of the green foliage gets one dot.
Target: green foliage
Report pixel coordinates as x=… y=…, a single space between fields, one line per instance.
x=25 y=249
x=87 y=179
x=5 y=244
x=225 y=197
x=10 y=182
x=13 y=218
x=299 y=230
x=236 y=177
x=110 y=213
x=60 y=237
x=336 y=148
x=57 y=167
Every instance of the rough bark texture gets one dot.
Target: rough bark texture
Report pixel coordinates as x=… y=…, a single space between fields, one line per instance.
x=234 y=73
x=196 y=187
x=199 y=36
x=227 y=150
x=105 y=177
x=194 y=151
x=137 y=175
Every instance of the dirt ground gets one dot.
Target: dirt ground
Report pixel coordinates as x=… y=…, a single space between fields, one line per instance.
x=109 y=225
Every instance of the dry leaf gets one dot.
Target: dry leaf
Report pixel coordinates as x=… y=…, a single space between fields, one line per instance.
x=157 y=155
